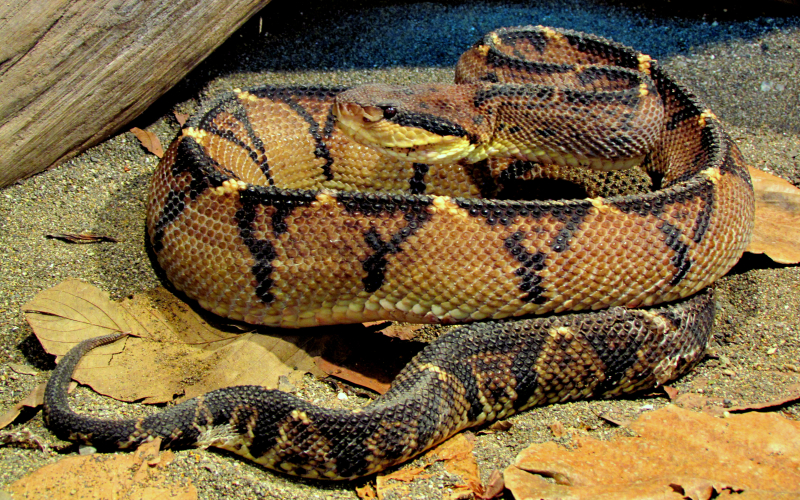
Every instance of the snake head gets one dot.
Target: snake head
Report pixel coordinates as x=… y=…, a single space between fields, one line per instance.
x=427 y=123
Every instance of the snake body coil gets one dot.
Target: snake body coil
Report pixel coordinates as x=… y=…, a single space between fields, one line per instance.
x=265 y=210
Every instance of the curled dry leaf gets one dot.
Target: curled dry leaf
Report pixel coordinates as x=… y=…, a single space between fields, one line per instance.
x=33 y=400
x=129 y=475
x=149 y=141
x=180 y=117
x=678 y=454
x=458 y=458
x=81 y=238
x=366 y=492
x=494 y=487
x=777 y=228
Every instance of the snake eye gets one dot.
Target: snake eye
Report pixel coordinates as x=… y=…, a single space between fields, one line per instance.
x=389 y=112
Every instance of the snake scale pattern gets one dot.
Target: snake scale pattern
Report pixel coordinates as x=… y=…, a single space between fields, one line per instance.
x=307 y=206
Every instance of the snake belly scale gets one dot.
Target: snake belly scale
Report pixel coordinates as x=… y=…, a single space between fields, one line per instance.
x=266 y=209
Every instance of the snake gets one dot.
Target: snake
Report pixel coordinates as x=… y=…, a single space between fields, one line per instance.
x=303 y=206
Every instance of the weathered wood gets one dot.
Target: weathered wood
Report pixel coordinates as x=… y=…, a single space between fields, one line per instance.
x=73 y=72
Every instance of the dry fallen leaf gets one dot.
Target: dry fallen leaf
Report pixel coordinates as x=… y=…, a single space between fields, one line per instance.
x=366 y=492
x=190 y=356
x=494 y=488
x=353 y=376
x=777 y=227
x=362 y=356
x=792 y=396
x=678 y=454
x=458 y=458
x=558 y=429
x=22 y=369
x=22 y=438
x=149 y=141
x=139 y=475
x=393 y=485
x=180 y=117
x=81 y=238
x=32 y=400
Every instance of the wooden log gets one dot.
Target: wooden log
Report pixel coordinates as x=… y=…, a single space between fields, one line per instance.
x=73 y=72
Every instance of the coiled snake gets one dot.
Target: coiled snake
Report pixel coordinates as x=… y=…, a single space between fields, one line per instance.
x=265 y=209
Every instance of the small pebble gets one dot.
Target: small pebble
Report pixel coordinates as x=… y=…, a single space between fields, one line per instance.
x=87 y=450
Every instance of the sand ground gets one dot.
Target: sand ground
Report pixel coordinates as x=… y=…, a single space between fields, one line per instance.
x=744 y=65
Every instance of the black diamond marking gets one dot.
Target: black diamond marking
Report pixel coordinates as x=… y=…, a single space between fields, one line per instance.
x=416 y=185
x=262 y=250
x=415 y=212
x=203 y=171
x=529 y=263
x=732 y=165
x=539 y=93
x=642 y=205
x=515 y=170
x=680 y=260
x=703 y=315
x=703 y=219
x=617 y=352
x=375 y=264
x=236 y=109
x=289 y=96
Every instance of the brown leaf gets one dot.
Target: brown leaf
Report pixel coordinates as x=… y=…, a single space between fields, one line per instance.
x=793 y=395
x=22 y=369
x=458 y=458
x=672 y=392
x=180 y=117
x=497 y=426
x=558 y=429
x=190 y=356
x=352 y=376
x=614 y=420
x=81 y=238
x=404 y=331
x=494 y=487
x=366 y=492
x=130 y=475
x=361 y=356
x=777 y=227
x=32 y=400
x=678 y=454
x=694 y=401
x=406 y=474
x=22 y=438
x=149 y=141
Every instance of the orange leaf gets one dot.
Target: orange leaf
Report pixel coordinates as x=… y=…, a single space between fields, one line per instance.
x=677 y=454
x=458 y=458
x=129 y=475
x=352 y=376
x=149 y=141
x=180 y=117
x=777 y=228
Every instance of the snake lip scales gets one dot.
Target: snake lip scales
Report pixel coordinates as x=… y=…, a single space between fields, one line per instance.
x=266 y=209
